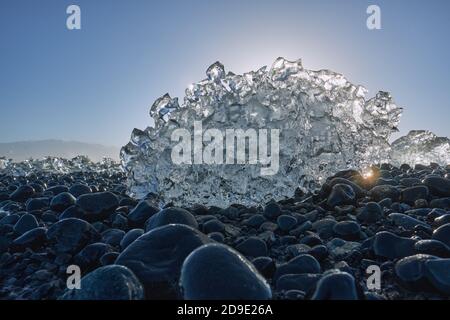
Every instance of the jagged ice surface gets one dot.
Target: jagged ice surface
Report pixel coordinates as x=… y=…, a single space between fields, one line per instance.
x=325 y=122
x=421 y=147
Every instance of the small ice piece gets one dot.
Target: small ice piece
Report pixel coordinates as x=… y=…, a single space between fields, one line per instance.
x=421 y=147
x=324 y=122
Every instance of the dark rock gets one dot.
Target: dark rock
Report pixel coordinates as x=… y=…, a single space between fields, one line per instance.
x=233 y=276
x=26 y=223
x=265 y=265
x=438 y=186
x=213 y=225
x=341 y=194
x=37 y=204
x=272 y=210
x=70 y=235
x=381 y=192
x=255 y=221
x=22 y=193
x=89 y=258
x=371 y=213
x=72 y=212
x=107 y=283
x=55 y=190
x=443 y=234
x=79 y=189
x=391 y=246
x=113 y=237
x=98 y=206
x=407 y=222
x=411 y=271
x=411 y=194
x=442 y=203
x=348 y=230
x=108 y=258
x=129 y=237
x=286 y=222
x=340 y=249
x=252 y=247
x=62 y=201
x=216 y=236
x=304 y=263
x=32 y=239
x=305 y=282
x=141 y=213
x=336 y=285
x=432 y=247
x=156 y=258
x=438 y=274
x=441 y=220
x=169 y=216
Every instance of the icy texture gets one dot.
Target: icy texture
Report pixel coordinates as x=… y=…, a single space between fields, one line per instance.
x=57 y=165
x=421 y=147
x=325 y=124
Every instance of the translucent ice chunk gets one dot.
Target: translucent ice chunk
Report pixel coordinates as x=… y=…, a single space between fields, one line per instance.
x=324 y=122
x=421 y=147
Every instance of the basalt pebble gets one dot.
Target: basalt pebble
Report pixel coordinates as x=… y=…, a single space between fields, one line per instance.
x=432 y=247
x=341 y=194
x=265 y=265
x=305 y=282
x=370 y=213
x=62 y=201
x=129 y=237
x=286 y=222
x=391 y=246
x=252 y=247
x=156 y=258
x=97 y=206
x=336 y=285
x=26 y=223
x=303 y=263
x=79 y=189
x=405 y=221
x=411 y=194
x=443 y=234
x=32 y=239
x=381 y=192
x=169 y=216
x=107 y=283
x=438 y=186
x=213 y=225
x=71 y=235
x=22 y=193
x=437 y=272
x=141 y=213
x=411 y=271
x=233 y=276
x=347 y=230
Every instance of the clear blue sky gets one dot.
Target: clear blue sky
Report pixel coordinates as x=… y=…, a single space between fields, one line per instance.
x=96 y=84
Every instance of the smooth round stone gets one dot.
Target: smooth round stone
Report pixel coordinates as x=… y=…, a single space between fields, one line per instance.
x=79 y=189
x=10 y=219
x=370 y=213
x=324 y=226
x=286 y=222
x=37 y=204
x=141 y=213
x=391 y=246
x=213 y=225
x=411 y=194
x=327 y=187
x=98 y=206
x=108 y=258
x=70 y=235
x=407 y=222
x=22 y=193
x=441 y=220
x=294 y=295
x=255 y=221
x=252 y=247
x=265 y=265
x=120 y=222
x=442 y=203
x=272 y=210
x=438 y=274
x=341 y=249
x=72 y=212
x=113 y=236
x=411 y=270
x=320 y=252
x=443 y=234
x=62 y=201
x=156 y=258
x=217 y=272
x=89 y=257
x=26 y=223
x=347 y=230
x=55 y=190
x=303 y=263
x=432 y=247
x=341 y=194
x=49 y=216
x=129 y=237
x=33 y=239
x=311 y=240
x=438 y=186
x=381 y=192
x=410 y=182
x=304 y=282
x=216 y=236
x=169 y=216
x=336 y=285
x=107 y=283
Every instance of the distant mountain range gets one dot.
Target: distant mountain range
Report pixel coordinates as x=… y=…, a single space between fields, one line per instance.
x=22 y=150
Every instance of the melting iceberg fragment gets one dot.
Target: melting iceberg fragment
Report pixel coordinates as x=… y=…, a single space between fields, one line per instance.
x=324 y=122
x=421 y=147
